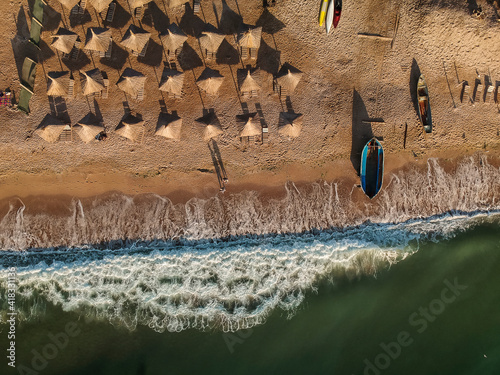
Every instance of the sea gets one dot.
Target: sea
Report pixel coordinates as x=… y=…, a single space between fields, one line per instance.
x=314 y=282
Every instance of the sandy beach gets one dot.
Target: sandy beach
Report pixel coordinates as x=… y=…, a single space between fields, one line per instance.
x=352 y=89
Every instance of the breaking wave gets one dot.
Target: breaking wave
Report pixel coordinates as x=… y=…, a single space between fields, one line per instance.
x=116 y=220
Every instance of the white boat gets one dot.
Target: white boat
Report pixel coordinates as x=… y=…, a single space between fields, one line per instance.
x=329 y=16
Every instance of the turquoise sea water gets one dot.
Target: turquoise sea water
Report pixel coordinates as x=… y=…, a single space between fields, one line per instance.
x=316 y=319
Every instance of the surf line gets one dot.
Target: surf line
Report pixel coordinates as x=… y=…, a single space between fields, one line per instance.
x=420 y=319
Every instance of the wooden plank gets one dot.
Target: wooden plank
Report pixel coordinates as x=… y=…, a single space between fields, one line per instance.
x=374 y=36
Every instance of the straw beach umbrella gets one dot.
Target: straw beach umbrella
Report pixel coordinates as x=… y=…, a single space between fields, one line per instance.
x=131 y=81
x=249 y=36
x=98 y=39
x=212 y=126
x=210 y=80
x=210 y=39
x=64 y=40
x=69 y=3
x=88 y=127
x=290 y=124
x=50 y=128
x=251 y=125
x=91 y=81
x=169 y=126
x=247 y=80
x=173 y=37
x=135 y=38
x=172 y=81
x=100 y=5
x=288 y=77
x=58 y=83
x=130 y=127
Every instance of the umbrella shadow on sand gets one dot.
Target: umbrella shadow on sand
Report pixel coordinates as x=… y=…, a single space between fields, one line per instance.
x=188 y=58
x=230 y=21
x=227 y=54
x=361 y=131
x=268 y=59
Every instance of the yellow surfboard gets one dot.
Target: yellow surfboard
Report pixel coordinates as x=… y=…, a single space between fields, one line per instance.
x=322 y=14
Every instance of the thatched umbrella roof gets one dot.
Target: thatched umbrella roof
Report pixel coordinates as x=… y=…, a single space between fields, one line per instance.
x=288 y=77
x=249 y=36
x=100 y=5
x=290 y=124
x=69 y=3
x=210 y=80
x=251 y=125
x=131 y=81
x=50 y=128
x=64 y=40
x=58 y=83
x=88 y=127
x=211 y=38
x=169 y=126
x=247 y=79
x=97 y=39
x=135 y=38
x=91 y=81
x=130 y=127
x=172 y=81
x=138 y=3
x=212 y=126
x=173 y=37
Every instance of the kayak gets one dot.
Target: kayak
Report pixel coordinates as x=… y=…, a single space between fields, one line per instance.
x=424 y=107
x=338 y=10
x=322 y=14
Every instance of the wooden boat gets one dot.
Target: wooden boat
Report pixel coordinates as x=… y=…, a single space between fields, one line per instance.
x=424 y=107
x=372 y=168
x=329 y=16
x=337 y=11
x=322 y=14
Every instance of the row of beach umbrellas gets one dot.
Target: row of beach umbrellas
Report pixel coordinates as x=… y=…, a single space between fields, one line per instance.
x=168 y=126
x=101 y=5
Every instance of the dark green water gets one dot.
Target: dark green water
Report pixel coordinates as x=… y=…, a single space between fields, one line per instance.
x=339 y=330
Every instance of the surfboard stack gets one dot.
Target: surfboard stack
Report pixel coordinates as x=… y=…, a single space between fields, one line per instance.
x=330 y=12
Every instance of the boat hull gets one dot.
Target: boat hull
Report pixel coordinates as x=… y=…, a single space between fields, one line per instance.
x=372 y=168
x=337 y=12
x=424 y=107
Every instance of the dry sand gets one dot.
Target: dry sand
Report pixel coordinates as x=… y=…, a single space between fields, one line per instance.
x=347 y=80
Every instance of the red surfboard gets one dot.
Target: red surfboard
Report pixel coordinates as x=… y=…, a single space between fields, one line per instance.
x=338 y=10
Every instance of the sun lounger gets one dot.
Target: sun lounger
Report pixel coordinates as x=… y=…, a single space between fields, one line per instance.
x=488 y=98
x=111 y=12
x=467 y=95
x=107 y=54
x=253 y=53
x=244 y=53
x=66 y=135
x=28 y=74
x=140 y=95
x=138 y=12
x=104 y=93
x=196 y=6
x=143 y=52
x=83 y=5
x=210 y=55
x=479 y=93
x=265 y=135
x=36 y=30
x=71 y=88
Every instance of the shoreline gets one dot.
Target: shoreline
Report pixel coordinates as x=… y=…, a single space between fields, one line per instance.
x=203 y=185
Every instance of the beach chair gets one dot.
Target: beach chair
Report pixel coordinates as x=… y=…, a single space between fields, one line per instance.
x=66 y=135
x=467 y=94
x=244 y=53
x=210 y=55
x=140 y=95
x=107 y=54
x=196 y=6
x=488 y=98
x=83 y=6
x=105 y=80
x=253 y=53
x=75 y=10
x=111 y=12
x=479 y=93
x=138 y=12
x=265 y=135
x=171 y=55
x=143 y=52
x=71 y=87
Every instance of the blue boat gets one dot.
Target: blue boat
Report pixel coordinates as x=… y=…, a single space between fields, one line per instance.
x=372 y=168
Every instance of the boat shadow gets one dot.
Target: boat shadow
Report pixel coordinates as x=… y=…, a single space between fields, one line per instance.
x=414 y=76
x=361 y=131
